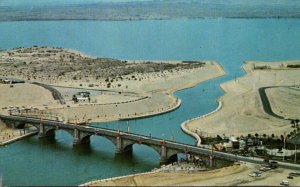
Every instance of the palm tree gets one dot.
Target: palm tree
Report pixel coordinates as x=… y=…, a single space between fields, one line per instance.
x=281 y=137
x=264 y=135
x=293 y=123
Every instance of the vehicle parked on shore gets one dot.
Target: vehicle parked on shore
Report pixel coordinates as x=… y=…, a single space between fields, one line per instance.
x=285 y=183
x=255 y=174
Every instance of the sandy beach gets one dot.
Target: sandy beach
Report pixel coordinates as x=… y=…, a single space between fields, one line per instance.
x=236 y=175
x=25 y=95
x=127 y=89
x=242 y=112
x=154 y=91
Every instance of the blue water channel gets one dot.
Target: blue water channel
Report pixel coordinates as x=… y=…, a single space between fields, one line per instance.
x=227 y=41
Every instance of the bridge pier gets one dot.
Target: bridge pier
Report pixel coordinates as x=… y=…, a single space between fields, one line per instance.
x=122 y=147
x=163 y=155
x=79 y=138
x=45 y=132
x=167 y=156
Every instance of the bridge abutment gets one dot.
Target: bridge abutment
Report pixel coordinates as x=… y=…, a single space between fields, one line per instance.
x=14 y=124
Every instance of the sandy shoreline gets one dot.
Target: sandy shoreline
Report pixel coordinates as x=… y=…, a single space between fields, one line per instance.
x=196 y=135
x=138 y=95
x=236 y=91
x=146 y=91
x=236 y=175
x=159 y=93
x=242 y=112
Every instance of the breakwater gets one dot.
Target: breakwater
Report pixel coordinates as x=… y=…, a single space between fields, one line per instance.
x=195 y=135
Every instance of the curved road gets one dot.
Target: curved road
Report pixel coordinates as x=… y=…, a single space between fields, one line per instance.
x=266 y=103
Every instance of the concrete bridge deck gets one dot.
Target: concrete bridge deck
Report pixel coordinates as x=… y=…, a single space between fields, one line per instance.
x=123 y=141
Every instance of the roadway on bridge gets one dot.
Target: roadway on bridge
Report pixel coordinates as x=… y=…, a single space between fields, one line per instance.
x=184 y=148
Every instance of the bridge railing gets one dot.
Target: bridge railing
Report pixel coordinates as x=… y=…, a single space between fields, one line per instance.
x=37 y=115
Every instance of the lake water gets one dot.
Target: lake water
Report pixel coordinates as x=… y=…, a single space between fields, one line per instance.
x=227 y=41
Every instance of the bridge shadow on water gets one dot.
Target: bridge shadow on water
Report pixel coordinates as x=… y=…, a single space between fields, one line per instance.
x=92 y=157
x=83 y=149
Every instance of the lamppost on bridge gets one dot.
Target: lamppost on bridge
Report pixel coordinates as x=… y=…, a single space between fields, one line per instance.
x=163 y=139
x=85 y=119
x=118 y=128
x=128 y=128
x=118 y=125
x=172 y=137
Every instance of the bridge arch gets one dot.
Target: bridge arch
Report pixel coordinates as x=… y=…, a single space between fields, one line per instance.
x=166 y=155
x=46 y=131
x=85 y=137
x=128 y=146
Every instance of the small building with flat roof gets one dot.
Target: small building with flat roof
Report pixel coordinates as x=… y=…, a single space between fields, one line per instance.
x=80 y=99
x=84 y=94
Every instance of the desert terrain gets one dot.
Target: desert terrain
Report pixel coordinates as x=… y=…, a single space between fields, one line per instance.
x=120 y=89
x=285 y=101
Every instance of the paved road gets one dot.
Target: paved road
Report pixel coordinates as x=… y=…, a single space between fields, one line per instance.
x=55 y=93
x=266 y=103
